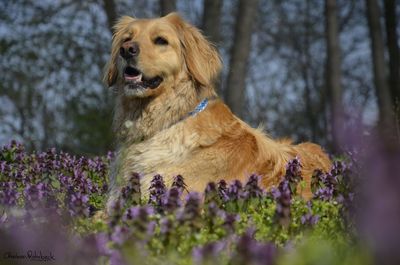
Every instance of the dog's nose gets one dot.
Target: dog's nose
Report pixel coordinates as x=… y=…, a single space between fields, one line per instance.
x=129 y=50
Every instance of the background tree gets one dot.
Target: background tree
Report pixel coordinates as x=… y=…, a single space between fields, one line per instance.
x=333 y=72
x=386 y=116
x=394 y=57
x=167 y=6
x=240 y=50
x=211 y=26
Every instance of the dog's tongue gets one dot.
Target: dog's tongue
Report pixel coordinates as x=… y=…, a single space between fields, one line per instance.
x=136 y=78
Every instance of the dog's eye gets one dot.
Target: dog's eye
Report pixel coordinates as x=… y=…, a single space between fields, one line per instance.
x=160 y=41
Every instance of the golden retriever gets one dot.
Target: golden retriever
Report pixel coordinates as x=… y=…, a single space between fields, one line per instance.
x=169 y=120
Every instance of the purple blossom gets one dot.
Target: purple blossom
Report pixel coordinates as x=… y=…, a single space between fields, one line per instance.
x=282 y=212
x=34 y=194
x=309 y=219
x=157 y=191
x=209 y=253
x=78 y=204
x=191 y=211
x=293 y=174
x=179 y=183
x=120 y=234
x=172 y=200
x=235 y=191
x=211 y=193
x=131 y=193
x=223 y=190
x=249 y=251
x=251 y=189
x=8 y=193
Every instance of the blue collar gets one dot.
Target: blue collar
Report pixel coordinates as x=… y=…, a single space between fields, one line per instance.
x=202 y=105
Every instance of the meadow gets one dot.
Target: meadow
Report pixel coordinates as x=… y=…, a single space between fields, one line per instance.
x=51 y=204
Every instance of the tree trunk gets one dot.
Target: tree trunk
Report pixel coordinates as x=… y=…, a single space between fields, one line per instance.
x=167 y=6
x=111 y=13
x=240 y=51
x=212 y=20
x=386 y=117
x=333 y=72
x=393 y=48
x=211 y=26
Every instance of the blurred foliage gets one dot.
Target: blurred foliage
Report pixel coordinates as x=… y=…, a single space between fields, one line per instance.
x=235 y=224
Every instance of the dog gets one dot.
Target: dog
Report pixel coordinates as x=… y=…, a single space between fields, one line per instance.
x=169 y=120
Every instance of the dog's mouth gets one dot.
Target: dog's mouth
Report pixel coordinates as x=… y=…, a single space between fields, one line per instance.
x=136 y=79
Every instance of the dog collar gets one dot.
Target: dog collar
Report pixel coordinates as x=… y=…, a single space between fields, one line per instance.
x=202 y=105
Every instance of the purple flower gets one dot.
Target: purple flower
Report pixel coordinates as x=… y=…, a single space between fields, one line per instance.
x=34 y=194
x=309 y=219
x=251 y=189
x=235 y=191
x=191 y=211
x=172 y=200
x=120 y=234
x=229 y=221
x=78 y=205
x=211 y=194
x=8 y=193
x=115 y=212
x=293 y=174
x=249 y=251
x=222 y=190
x=131 y=193
x=283 y=201
x=157 y=191
x=208 y=254
x=179 y=183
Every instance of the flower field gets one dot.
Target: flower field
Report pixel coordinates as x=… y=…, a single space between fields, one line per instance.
x=51 y=207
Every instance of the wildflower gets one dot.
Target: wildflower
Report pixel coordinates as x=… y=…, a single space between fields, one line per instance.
x=115 y=212
x=172 y=199
x=157 y=191
x=78 y=204
x=249 y=251
x=120 y=234
x=131 y=193
x=293 y=174
x=251 y=189
x=191 y=211
x=211 y=193
x=34 y=194
x=282 y=212
x=235 y=191
x=309 y=219
x=222 y=190
x=208 y=253
x=179 y=183
x=8 y=193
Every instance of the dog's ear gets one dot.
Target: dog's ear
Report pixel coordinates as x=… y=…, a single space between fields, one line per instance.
x=111 y=71
x=201 y=57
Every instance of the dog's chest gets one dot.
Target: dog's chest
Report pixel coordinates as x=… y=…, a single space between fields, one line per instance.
x=164 y=149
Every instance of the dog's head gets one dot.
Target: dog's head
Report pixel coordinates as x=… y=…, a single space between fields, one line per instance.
x=150 y=55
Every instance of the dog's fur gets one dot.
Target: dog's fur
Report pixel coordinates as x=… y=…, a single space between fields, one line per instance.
x=156 y=135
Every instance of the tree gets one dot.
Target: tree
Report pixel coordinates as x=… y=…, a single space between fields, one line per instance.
x=212 y=20
x=394 y=57
x=211 y=25
x=333 y=72
x=240 y=50
x=111 y=12
x=167 y=6
x=386 y=117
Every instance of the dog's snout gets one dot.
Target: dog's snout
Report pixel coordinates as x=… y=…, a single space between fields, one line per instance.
x=129 y=50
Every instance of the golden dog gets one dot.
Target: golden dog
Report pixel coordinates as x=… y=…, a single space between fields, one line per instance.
x=169 y=120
